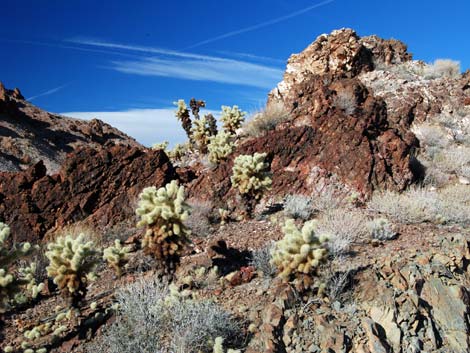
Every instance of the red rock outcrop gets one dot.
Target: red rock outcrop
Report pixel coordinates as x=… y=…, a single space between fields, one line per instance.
x=98 y=186
x=29 y=134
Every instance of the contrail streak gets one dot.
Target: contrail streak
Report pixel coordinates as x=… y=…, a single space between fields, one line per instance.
x=48 y=92
x=261 y=25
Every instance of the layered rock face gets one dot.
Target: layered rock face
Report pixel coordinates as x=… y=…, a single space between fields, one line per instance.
x=96 y=186
x=29 y=134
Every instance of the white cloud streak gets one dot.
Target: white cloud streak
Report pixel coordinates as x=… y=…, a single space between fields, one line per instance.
x=148 y=126
x=260 y=25
x=48 y=92
x=189 y=66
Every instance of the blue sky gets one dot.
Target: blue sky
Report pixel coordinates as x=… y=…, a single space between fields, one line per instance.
x=127 y=61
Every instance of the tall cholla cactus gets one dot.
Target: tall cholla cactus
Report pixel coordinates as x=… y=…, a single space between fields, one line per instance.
x=220 y=146
x=195 y=105
x=201 y=133
x=117 y=256
x=300 y=252
x=232 y=118
x=10 y=284
x=251 y=175
x=163 y=211
x=182 y=113
x=71 y=264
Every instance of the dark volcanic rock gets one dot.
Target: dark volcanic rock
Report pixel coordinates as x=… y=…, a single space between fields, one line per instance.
x=98 y=186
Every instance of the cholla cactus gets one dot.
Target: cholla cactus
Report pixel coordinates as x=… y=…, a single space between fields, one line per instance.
x=160 y=146
x=182 y=113
x=220 y=146
x=224 y=215
x=195 y=105
x=201 y=134
x=381 y=229
x=32 y=287
x=251 y=175
x=164 y=211
x=10 y=284
x=117 y=256
x=71 y=264
x=178 y=151
x=219 y=346
x=300 y=252
x=212 y=123
x=232 y=118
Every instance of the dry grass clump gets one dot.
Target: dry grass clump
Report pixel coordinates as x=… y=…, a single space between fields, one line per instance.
x=343 y=227
x=299 y=206
x=448 y=205
x=199 y=221
x=261 y=260
x=442 y=68
x=154 y=318
x=266 y=120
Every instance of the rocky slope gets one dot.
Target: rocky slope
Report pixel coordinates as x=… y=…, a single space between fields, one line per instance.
x=29 y=134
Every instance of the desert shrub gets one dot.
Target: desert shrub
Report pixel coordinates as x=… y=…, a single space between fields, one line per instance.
x=164 y=211
x=300 y=252
x=12 y=286
x=199 y=219
x=343 y=227
x=453 y=204
x=220 y=147
x=182 y=113
x=442 y=68
x=266 y=120
x=232 y=118
x=71 y=265
x=117 y=256
x=152 y=319
x=328 y=198
x=381 y=229
x=345 y=101
x=299 y=206
x=261 y=260
x=251 y=175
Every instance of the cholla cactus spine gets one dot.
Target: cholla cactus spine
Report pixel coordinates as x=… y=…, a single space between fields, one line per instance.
x=164 y=211
x=220 y=146
x=117 y=256
x=251 y=175
x=71 y=264
x=232 y=118
x=10 y=284
x=182 y=113
x=300 y=251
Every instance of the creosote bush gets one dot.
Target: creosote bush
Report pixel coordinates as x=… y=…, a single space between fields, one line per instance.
x=153 y=318
x=251 y=175
x=11 y=285
x=232 y=118
x=72 y=262
x=117 y=256
x=300 y=252
x=220 y=147
x=164 y=211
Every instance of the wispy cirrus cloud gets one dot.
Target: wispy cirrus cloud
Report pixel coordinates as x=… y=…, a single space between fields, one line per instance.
x=48 y=92
x=189 y=66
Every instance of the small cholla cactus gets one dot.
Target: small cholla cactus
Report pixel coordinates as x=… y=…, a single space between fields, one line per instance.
x=300 y=252
x=219 y=347
x=195 y=105
x=182 y=113
x=178 y=151
x=10 y=284
x=32 y=288
x=251 y=175
x=381 y=229
x=71 y=265
x=220 y=146
x=232 y=118
x=160 y=146
x=117 y=256
x=201 y=134
x=164 y=211
x=224 y=215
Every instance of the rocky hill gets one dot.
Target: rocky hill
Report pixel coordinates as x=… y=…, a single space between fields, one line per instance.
x=29 y=134
x=349 y=232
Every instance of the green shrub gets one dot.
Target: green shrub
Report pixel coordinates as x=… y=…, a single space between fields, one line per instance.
x=164 y=211
x=220 y=147
x=232 y=118
x=72 y=262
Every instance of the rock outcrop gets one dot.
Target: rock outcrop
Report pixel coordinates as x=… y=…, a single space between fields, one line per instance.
x=96 y=186
x=29 y=134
